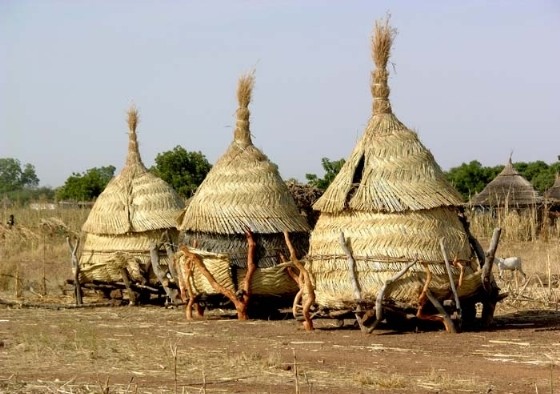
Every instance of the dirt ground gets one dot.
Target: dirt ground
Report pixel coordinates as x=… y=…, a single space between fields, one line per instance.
x=152 y=349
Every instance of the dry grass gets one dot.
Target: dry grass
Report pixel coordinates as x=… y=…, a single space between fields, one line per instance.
x=441 y=381
x=35 y=248
x=381 y=380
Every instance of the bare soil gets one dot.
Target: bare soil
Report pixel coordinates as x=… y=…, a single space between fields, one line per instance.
x=152 y=349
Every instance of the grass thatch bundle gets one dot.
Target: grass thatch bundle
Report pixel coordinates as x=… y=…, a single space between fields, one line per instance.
x=508 y=189
x=244 y=190
x=393 y=204
x=130 y=215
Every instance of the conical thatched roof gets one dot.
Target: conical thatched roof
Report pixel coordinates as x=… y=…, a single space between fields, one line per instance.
x=509 y=188
x=128 y=218
x=390 y=199
x=135 y=200
x=243 y=190
x=389 y=170
x=553 y=194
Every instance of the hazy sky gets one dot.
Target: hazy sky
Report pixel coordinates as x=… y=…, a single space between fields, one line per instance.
x=476 y=79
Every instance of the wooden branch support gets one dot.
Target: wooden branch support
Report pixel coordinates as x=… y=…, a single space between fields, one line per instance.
x=475 y=245
x=488 y=283
x=461 y=272
x=447 y=322
x=75 y=269
x=426 y=295
x=126 y=280
x=381 y=297
x=306 y=286
x=489 y=261
x=160 y=274
x=351 y=267
x=242 y=298
x=244 y=294
x=184 y=275
x=451 y=280
x=170 y=254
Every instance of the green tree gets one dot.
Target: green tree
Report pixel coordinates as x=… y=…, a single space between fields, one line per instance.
x=331 y=167
x=540 y=174
x=13 y=177
x=471 y=178
x=183 y=170
x=87 y=185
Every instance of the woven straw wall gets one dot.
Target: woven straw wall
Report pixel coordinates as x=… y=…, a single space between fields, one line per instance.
x=269 y=246
x=382 y=244
x=272 y=281
x=99 y=256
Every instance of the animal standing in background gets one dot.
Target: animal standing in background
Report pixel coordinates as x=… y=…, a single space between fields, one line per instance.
x=11 y=221
x=509 y=264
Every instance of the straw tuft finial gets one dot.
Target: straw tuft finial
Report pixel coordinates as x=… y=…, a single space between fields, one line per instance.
x=242 y=132
x=381 y=43
x=133 y=151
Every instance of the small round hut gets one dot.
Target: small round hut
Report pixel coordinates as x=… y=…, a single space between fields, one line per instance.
x=509 y=189
x=376 y=245
x=552 y=195
x=244 y=192
x=136 y=211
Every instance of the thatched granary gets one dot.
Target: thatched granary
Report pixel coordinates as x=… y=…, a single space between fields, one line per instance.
x=552 y=195
x=130 y=215
x=509 y=189
x=244 y=191
x=393 y=205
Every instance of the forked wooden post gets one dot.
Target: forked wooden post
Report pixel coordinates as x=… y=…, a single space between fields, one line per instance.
x=381 y=296
x=451 y=280
x=240 y=299
x=75 y=269
x=492 y=290
x=306 y=285
x=160 y=274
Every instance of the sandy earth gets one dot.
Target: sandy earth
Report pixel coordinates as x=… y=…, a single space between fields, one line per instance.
x=155 y=350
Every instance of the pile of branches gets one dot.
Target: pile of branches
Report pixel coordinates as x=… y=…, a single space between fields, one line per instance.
x=305 y=196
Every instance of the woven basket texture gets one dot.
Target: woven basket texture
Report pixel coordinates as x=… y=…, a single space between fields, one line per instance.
x=271 y=281
x=267 y=253
x=100 y=257
x=393 y=204
x=130 y=215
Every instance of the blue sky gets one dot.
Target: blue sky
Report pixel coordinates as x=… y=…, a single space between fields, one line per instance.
x=475 y=79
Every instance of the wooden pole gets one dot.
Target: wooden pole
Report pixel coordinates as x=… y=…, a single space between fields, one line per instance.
x=17 y=284
x=44 y=265
x=160 y=274
x=381 y=295
x=306 y=285
x=488 y=283
x=489 y=261
x=475 y=245
x=451 y=280
x=351 y=267
x=126 y=280
x=197 y=261
x=75 y=269
x=448 y=323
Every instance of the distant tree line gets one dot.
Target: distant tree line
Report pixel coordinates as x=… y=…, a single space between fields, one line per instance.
x=185 y=171
x=468 y=178
x=471 y=178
